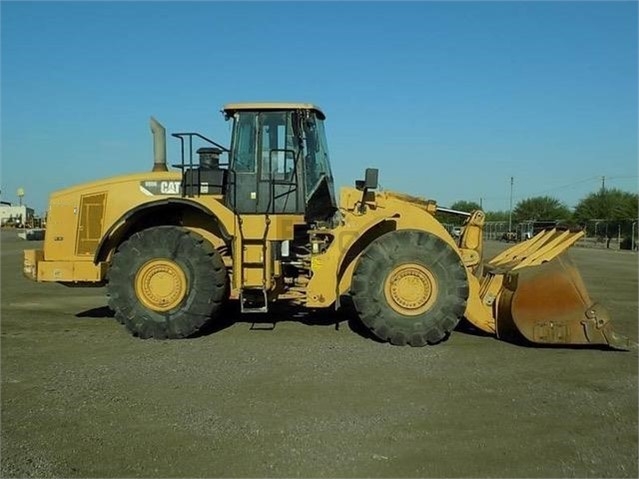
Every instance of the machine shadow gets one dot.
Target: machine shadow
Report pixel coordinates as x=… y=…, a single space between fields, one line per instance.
x=282 y=313
x=101 y=312
x=346 y=315
x=519 y=340
x=278 y=313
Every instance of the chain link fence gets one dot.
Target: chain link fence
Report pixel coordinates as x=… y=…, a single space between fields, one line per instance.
x=611 y=234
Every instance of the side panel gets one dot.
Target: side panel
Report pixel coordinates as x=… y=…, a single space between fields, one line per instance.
x=59 y=240
x=80 y=217
x=32 y=257
x=75 y=218
x=70 y=271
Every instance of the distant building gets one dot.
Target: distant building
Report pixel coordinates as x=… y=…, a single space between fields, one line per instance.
x=15 y=215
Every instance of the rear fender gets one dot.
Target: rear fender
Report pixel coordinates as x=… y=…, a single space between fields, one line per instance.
x=187 y=213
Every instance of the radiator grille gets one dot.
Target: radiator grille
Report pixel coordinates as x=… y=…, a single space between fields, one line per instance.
x=90 y=223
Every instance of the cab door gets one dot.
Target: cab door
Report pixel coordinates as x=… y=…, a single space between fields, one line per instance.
x=265 y=173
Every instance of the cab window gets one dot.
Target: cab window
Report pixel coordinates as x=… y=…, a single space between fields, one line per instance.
x=277 y=150
x=243 y=148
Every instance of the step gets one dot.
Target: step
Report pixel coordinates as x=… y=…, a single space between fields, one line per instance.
x=253 y=301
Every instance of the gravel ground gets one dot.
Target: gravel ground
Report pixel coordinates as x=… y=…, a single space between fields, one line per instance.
x=82 y=398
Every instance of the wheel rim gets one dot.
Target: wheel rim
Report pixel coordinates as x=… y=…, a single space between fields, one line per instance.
x=160 y=284
x=410 y=289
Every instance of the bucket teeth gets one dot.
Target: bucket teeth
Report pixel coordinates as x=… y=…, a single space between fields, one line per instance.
x=598 y=329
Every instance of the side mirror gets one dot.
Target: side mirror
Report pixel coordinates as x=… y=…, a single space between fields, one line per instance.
x=370 y=180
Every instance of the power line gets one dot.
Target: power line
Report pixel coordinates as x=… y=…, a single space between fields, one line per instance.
x=561 y=187
x=574 y=183
x=564 y=186
x=622 y=177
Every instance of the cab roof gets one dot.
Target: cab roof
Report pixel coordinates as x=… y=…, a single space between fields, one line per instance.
x=230 y=108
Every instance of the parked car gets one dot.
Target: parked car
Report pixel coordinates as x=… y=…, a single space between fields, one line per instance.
x=509 y=236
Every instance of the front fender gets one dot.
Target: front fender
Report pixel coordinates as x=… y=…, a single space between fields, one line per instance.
x=333 y=270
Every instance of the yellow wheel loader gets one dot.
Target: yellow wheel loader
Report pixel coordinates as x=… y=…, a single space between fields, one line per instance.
x=259 y=222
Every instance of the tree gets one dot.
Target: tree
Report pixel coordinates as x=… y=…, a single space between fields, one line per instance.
x=607 y=204
x=608 y=213
x=468 y=206
x=540 y=208
x=496 y=215
x=462 y=205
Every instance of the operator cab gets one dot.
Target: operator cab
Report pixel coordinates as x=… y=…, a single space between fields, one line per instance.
x=278 y=161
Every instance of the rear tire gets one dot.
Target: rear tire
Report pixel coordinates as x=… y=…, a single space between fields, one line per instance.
x=166 y=282
x=410 y=287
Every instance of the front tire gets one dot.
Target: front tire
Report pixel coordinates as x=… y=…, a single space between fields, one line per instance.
x=410 y=287
x=166 y=282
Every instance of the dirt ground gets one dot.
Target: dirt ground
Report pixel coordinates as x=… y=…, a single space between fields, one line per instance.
x=82 y=398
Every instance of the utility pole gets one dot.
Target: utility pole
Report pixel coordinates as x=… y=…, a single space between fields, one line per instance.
x=510 y=215
x=603 y=183
x=481 y=206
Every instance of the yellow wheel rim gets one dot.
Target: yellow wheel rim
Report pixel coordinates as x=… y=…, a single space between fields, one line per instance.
x=410 y=289
x=160 y=284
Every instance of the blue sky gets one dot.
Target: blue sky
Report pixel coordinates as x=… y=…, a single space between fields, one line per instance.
x=448 y=99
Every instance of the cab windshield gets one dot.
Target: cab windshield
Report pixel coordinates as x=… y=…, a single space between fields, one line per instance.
x=316 y=164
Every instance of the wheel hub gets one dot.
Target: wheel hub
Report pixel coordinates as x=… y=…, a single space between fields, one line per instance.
x=410 y=289
x=160 y=284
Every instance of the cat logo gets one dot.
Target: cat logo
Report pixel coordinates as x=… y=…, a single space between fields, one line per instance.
x=153 y=188
x=170 y=187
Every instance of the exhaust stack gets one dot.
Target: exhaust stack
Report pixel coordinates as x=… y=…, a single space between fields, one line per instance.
x=159 y=146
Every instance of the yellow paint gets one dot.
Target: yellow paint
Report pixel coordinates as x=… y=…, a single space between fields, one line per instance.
x=160 y=284
x=541 y=248
x=31 y=259
x=316 y=264
x=70 y=271
x=335 y=276
x=410 y=289
x=80 y=217
x=478 y=313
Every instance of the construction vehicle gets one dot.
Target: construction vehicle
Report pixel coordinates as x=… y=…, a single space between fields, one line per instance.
x=509 y=237
x=265 y=226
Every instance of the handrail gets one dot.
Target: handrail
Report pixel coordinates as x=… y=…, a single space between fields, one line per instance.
x=190 y=135
x=191 y=166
